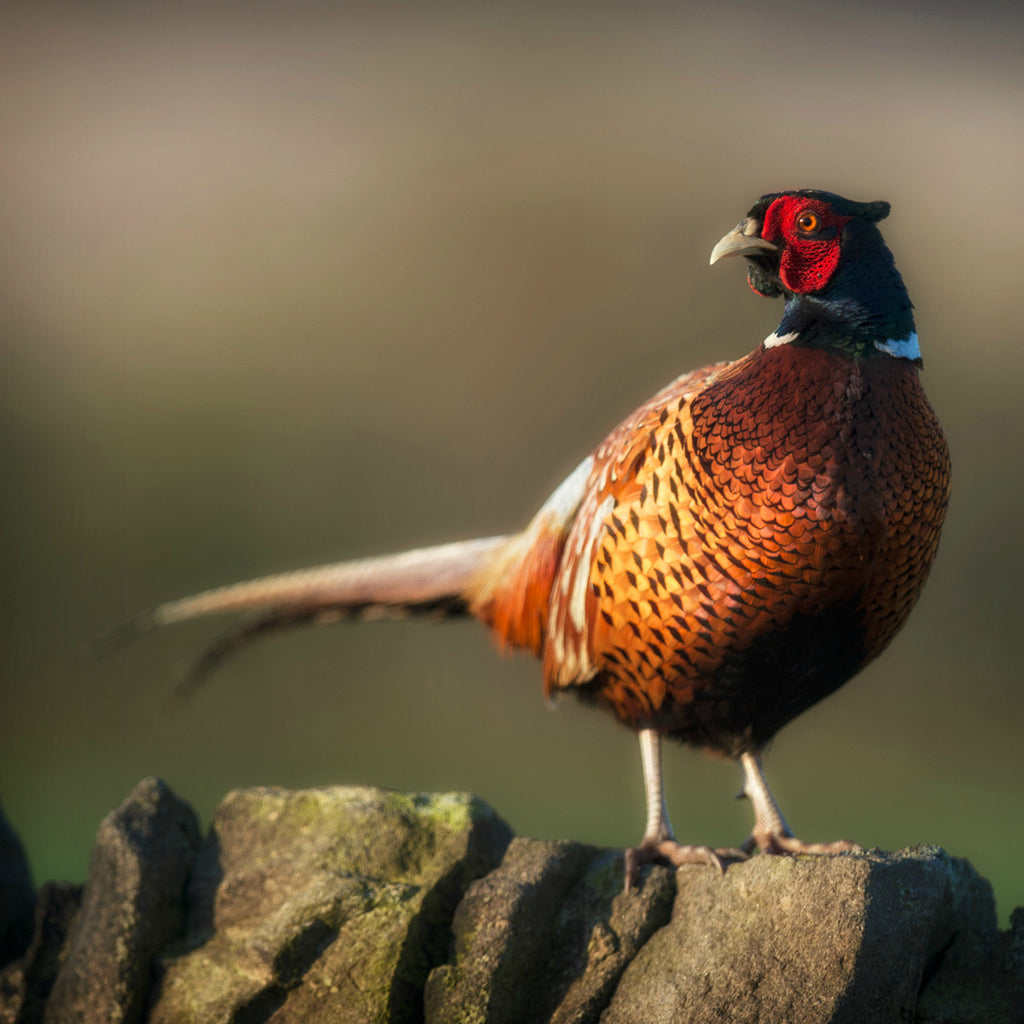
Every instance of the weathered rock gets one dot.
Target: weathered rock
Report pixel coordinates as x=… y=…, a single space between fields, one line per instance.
x=352 y=905
x=979 y=980
x=25 y=984
x=132 y=906
x=325 y=905
x=805 y=940
x=17 y=895
x=545 y=937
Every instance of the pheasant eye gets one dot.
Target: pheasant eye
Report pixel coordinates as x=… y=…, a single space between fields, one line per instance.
x=808 y=221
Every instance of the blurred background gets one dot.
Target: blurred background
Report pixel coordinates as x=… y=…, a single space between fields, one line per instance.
x=287 y=284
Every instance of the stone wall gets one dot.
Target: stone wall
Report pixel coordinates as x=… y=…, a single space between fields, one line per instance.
x=347 y=904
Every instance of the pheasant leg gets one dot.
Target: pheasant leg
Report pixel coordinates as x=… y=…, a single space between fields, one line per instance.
x=659 y=841
x=772 y=833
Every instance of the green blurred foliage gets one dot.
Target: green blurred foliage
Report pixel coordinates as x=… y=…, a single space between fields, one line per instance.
x=282 y=285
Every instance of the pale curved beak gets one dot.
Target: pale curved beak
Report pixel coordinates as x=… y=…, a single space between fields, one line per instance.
x=743 y=240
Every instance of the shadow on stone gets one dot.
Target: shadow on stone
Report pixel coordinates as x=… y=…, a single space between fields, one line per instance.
x=804 y=940
x=17 y=895
x=545 y=936
x=25 y=984
x=324 y=904
x=345 y=905
x=132 y=907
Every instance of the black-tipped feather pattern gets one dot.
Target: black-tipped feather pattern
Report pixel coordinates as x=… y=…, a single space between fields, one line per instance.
x=288 y=616
x=425 y=581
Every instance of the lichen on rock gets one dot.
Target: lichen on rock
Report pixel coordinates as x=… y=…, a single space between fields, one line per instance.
x=327 y=904
x=352 y=905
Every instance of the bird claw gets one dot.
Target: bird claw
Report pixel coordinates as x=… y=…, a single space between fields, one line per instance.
x=676 y=854
x=780 y=844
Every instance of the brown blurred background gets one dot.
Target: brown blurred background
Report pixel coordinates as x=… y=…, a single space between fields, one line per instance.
x=282 y=285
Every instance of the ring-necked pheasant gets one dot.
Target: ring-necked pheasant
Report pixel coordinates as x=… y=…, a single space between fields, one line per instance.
x=731 y=553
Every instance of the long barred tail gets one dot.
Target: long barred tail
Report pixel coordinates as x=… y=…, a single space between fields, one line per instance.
x=437 y=580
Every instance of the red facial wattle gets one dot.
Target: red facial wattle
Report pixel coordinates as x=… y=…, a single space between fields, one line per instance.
x=809 y=257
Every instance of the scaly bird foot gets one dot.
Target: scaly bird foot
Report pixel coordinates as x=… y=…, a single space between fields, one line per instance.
x=771 y=833
x=672 y=852
x=779 y=843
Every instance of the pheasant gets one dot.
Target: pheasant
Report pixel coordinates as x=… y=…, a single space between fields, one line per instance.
x=734 y=551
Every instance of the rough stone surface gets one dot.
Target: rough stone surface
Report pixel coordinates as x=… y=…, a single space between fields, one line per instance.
x=354 y=905
x=325 y=905
x=979 y=980
x=17 y=895
x=132 y=907
x=545 y=936
x=25 y=984
x=805 y=940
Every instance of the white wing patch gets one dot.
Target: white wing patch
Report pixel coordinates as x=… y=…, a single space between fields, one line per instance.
x=569 y=500
x=567 y=613
x=581 y=579
x=563 y=506
x=566 y=497
x=567 y=659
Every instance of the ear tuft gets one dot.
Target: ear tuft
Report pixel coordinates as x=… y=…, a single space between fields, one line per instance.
x=875 y=211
